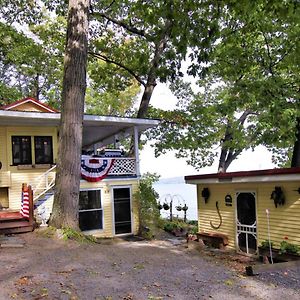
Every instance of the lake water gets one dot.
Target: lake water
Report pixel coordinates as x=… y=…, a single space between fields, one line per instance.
x=180 y=193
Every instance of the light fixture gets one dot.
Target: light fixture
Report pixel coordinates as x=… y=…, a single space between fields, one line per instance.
x=205 y=194
x=278 y=196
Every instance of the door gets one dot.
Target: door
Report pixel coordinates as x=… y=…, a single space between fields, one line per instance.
x=122 y=210
x=246 y=222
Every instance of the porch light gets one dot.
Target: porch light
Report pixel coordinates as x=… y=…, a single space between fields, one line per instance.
x=278 y=196
x=205 y=194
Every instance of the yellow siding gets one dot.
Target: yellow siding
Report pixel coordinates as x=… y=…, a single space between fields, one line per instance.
x=107 y=203
x=17 y=178
x=4 y=197
x=30 y=131
x=208 y=212
x=3 y=155
x=284 y=220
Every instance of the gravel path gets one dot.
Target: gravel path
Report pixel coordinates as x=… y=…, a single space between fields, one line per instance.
x=130 y=270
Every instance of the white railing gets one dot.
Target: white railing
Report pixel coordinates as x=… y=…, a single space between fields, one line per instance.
x=43 y=183
x=123 y=166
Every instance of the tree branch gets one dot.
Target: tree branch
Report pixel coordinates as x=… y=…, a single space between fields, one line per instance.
x=124 y=25
x=120 y=65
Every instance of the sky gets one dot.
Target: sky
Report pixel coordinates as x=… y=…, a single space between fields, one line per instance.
x=168 y=166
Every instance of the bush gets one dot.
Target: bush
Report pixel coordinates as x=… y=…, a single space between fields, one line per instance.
x=148 y=211
x=266 y=244
x=286 y=247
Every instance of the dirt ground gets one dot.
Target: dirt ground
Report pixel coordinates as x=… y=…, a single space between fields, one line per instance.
x=50 y=268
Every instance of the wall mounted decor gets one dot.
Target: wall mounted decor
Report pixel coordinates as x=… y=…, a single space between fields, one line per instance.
x=228 y=200
x=278 y=196
x=205 y=194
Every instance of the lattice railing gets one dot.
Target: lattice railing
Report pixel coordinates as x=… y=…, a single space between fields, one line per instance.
x=123 y=166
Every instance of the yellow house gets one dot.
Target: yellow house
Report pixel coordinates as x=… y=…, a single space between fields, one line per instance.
x=250 y=207
x=29 y=133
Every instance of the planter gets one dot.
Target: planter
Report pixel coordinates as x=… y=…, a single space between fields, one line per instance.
x=166 y=206
x=276 y=255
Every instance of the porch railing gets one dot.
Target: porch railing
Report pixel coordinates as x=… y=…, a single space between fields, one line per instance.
x=123 y=166
x=43 y=183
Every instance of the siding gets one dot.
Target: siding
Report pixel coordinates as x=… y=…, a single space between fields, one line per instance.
x=3 y=154
x=284 y=220
x=107 y=204
x=14 y=177
x=30 y=131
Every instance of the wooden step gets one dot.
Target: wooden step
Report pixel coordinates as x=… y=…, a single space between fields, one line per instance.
x=14 y=224
x=10 y=216
x=16 y=230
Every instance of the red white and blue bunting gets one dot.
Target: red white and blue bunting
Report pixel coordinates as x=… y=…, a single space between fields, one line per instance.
x=25 y=204
x=95 y=169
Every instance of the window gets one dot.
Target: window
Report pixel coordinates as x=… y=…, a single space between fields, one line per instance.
x=90 y=210
x=21 y=150
x=43 y=149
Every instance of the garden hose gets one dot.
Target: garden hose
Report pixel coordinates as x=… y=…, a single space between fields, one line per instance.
x=211 y=224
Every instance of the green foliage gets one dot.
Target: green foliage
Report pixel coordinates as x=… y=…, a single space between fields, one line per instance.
x=286 y=248
x=71 y=234
x=266 y=244
x=148 y=212
x=249 y=93
x=179 y=225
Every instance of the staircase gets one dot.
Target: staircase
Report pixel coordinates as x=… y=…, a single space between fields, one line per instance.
x=13 y=221
x=43 y=191
x=43 y=207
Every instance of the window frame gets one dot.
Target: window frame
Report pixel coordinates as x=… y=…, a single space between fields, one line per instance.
x=93 y=209
x=21 y=155
x=35 y=152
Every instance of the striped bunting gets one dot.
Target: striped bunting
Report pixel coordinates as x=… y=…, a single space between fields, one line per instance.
x=95 y=169
x=25 y=204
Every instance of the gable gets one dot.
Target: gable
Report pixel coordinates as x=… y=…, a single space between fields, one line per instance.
x=29 y=104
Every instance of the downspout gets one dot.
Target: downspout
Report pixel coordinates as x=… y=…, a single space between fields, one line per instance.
x=136 y=151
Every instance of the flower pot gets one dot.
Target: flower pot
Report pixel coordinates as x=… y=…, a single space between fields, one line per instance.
x=166 y=206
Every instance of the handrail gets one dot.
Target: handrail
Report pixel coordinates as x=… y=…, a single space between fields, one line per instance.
x=43 y=184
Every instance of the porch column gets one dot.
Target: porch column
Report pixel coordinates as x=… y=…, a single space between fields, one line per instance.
x=136 y=151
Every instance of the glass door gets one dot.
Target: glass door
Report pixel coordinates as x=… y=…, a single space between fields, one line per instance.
x=246 y=222
x=122 y=210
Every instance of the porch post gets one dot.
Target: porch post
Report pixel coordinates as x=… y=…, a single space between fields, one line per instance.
x=136 y=151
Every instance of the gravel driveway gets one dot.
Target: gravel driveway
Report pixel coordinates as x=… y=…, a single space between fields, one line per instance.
x=49 y=268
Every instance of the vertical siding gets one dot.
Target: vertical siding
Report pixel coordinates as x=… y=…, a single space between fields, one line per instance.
x=284 y=220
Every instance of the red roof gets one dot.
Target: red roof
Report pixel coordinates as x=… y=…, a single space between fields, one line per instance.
x=26 y=100
x=268 y=172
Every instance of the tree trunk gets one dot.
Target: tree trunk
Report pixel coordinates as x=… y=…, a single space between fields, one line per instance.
x=65 y=207
x=296 y=151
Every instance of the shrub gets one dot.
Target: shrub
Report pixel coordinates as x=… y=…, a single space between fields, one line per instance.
x=148 y=211
x=286 y=247
x=266 y=244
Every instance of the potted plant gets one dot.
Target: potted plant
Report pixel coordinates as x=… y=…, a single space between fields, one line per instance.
x=178 y=207
x=166 y=206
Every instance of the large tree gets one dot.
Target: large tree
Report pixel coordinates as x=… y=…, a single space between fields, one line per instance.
x=65 y=206
x=251 y=94
x=150 y=39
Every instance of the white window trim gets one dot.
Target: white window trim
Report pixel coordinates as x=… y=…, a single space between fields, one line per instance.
x=92 y=231
x=113 y=209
